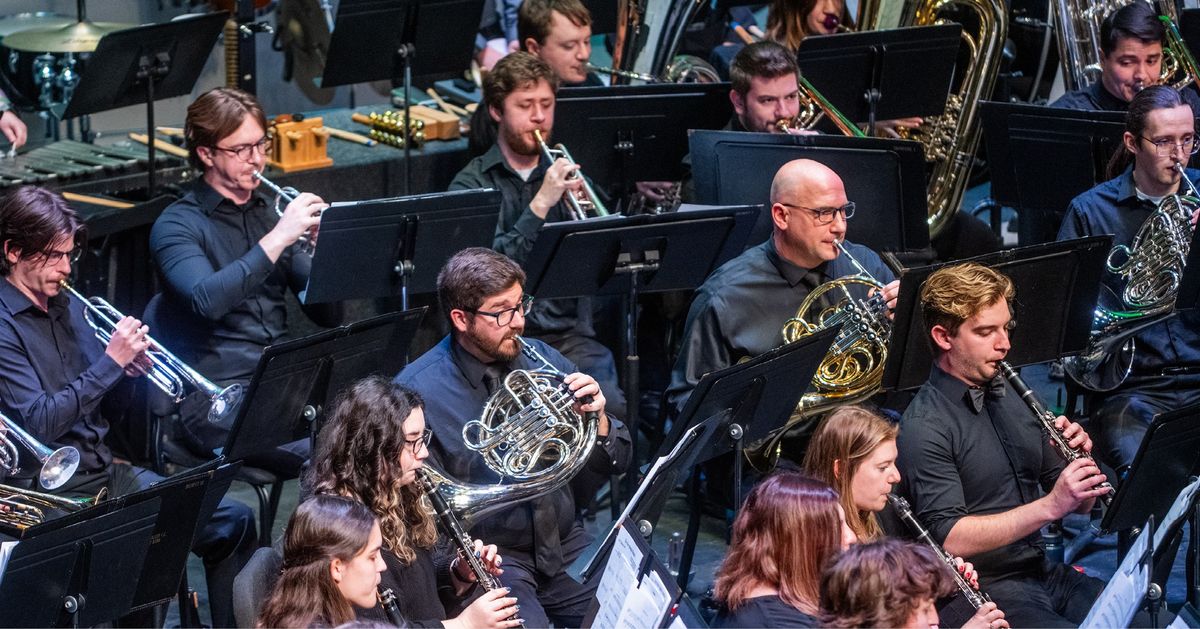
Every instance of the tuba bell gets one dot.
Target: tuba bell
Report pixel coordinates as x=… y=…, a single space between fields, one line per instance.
x=58 y=466
x=528 y=433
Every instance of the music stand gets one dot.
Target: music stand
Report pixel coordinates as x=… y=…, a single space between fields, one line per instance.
x=1057 y=285
x=296 y=380
x=374 y=40
x=885 y=178
x=144 y=64
x=78 y=574
x=384 y=247
x=636 y=590
x=1129 y=585
x=883 y=75
x=631 y=133
x=1043 y=157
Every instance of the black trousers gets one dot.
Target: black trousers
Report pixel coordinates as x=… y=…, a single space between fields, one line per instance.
x=1055 y=596
x=555 y=597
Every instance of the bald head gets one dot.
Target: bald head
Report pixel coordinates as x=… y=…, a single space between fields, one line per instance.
x=800 y=180
x=802 y=190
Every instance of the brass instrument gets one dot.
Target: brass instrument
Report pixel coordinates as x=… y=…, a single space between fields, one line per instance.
x=1152 y=268
x=528 y=432
x=58 y=466
x=1179 y=68
x=852 y=370
x=23 y=508
x=681 y=69
x=649 y=34
x=1046 y=418
x=587 y=201
x=970 y=592
x=1077 y=30
x=284 y=196
x=834 y=23
x=167 y=372
x=813 y=107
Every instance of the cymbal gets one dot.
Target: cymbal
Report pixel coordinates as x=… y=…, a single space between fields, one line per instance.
x=10 y=24
x=75 y=37
x=304 y=34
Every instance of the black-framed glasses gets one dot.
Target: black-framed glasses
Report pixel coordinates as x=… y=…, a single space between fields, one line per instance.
x=1164 y=148
x=824 y=215
x=505 y=317
x=245 y=152
x=54 y=257
x=423 y=440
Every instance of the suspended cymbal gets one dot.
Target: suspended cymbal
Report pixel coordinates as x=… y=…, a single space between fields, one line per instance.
x=75 y=37
x=10 y=24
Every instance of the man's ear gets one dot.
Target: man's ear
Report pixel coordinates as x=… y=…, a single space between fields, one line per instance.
x=458 y=320
x=941 y=337
x=738 y=101
x=11 y=254
x=206 y=156
x=532 y=46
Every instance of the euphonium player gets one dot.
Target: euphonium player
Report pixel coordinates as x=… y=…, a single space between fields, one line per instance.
x=63 y=387
x=975 y=464
x=482 y=296
x=1159 y=133
x=227 y=261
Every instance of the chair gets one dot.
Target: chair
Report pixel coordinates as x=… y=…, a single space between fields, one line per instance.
x=254 y=583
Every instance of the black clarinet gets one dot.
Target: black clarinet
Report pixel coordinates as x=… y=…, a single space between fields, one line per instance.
x=1047 y=420
x=387 y=598
x=973 y=595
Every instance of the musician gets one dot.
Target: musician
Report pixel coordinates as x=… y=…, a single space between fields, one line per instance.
x=64 y=388
x=331 y=562
x=371 y=451
x=11 y=124
x=1159 y=133
x=227 y=260
x=519 y=95
x=974 y=461
x=482 y=295
x=1131 y=55
x=740 y=309
x=559 y=32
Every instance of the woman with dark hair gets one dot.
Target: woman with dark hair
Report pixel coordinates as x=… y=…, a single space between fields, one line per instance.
x=331 y=561
x=785 y=532
x=370 y=451
x=789 y=22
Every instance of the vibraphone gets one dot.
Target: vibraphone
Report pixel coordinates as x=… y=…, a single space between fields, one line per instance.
x=68 y=161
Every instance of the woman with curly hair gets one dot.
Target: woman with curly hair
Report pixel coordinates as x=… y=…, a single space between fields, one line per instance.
x=370 y=451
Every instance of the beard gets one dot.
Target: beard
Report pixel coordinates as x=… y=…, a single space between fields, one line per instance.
x=496 y=350
x=522 y=143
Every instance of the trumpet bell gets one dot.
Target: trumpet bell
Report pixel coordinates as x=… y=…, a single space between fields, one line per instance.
x=59 y=467
x=224 y=403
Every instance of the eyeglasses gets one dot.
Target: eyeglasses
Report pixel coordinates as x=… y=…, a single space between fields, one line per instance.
x=824 y=215
x=505 y=317
x=1189 y=146
x=54 y=257
x=417 y=443
x=246 y=151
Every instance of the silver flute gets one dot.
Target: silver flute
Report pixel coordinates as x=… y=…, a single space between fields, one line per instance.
x=972 y=594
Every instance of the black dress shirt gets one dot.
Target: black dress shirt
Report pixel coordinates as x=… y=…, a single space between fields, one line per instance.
x=54 y=376
x=764 y=611
x=423 y=588
x=1113 y=207
x=1096 y=97
x=740 y=309
x=957 y=461
x=452 y=382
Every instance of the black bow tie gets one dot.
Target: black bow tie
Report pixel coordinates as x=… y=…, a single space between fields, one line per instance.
x=993 y=389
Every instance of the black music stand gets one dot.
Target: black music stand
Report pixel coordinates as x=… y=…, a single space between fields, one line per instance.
x=384 y=247
x=885 y=178
x=374 y=41
x=296 y=380
x=1057 y=285
x=1117 y=604
x=1043 y=157
x=649 y=577
x=78 y=574
x=144 y=64
x=629 y=133
x=883 y=75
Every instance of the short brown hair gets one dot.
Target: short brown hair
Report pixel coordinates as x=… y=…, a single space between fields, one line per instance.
x=881 y=584
x=515 y=71
x=474 y=274
x=953 y=294
x=765 y=60
x=31 y=219
x=535 y=16
x=849 y=434
x=215 y=116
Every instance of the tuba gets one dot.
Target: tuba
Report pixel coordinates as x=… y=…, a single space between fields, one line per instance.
x=852 y=370
x=528 y=432
x=648 y=35
x=1077 y=29
x=58 y=466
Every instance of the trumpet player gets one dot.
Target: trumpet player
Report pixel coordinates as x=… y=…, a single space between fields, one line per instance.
x=975 y=465
x=63 y=387
x=481 y=293
x=227 y=261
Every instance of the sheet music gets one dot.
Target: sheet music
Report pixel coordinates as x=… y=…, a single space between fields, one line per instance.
x=1178 y=510
x=619 y=575
x=1123 y=595
x=645 y=605
x=6 y=550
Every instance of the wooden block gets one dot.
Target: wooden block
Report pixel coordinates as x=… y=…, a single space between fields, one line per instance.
x=446 y=124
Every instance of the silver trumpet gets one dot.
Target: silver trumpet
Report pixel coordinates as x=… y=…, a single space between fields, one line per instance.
x=283 y=196
x=58 y=466
x=168 y=373
x=583 y=204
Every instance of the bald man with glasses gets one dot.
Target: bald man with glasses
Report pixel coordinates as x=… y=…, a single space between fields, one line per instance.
x=740 y=309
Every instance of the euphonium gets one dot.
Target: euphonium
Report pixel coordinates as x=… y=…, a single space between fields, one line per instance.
x=529 y=433
x=1179 y=68
x=584 y=203
x=58 y=466
x=284 y=196
x=24 y=508
x=167 y=372
x=681 y=69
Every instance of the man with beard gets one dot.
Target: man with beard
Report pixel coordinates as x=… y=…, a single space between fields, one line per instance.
x=482 y=295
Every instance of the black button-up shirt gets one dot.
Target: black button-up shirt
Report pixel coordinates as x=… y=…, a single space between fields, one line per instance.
x=1096 y=97
x=957 y=461
x=740 y=309
x=224 y=299
x=452 y=382
x=1113 y=207
x=54 y=376
x=517 y=229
